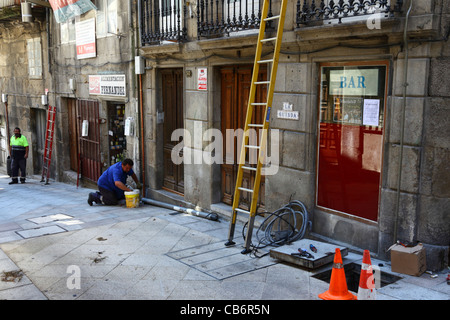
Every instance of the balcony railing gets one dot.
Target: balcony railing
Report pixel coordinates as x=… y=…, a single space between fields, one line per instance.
x=165 y=20
x=329 y=11
x=162 y=20
x=221 y=17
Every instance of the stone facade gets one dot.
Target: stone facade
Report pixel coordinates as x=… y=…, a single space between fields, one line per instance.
x=23 y=91
x=423 y=213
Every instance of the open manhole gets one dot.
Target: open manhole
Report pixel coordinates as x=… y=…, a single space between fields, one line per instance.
x=352 y=275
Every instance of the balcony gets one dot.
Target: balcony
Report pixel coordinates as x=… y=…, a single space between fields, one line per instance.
x=165 y=20
x=9 y=3
x=312 y=12
x=222 y=17
x=9 y=9
x=162 y=21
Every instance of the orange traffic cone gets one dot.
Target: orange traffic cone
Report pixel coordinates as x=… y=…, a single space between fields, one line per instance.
x=338 y=284
x=366 y=290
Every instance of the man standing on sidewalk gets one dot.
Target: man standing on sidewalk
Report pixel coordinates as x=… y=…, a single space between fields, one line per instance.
x=111 y=184
x=18 y=149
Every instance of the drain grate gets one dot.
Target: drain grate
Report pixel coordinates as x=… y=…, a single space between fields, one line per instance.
x=353 y=273
x=221 y=262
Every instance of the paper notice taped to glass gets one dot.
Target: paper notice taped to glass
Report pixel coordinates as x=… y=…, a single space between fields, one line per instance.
x=371 y=112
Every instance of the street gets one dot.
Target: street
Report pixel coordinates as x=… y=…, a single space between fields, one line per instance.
x=54 y=246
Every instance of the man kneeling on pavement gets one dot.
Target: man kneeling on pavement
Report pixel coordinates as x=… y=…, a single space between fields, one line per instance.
x=112 y=184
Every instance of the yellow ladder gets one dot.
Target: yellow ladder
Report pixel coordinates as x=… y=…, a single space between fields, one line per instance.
x=252 y=126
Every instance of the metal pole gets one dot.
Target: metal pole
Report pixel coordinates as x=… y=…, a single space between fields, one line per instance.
x=209 y=216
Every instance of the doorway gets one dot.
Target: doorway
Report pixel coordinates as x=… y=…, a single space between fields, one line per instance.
x=116 y=133
x=38 y=135
x=172 y=103
x=235 y=90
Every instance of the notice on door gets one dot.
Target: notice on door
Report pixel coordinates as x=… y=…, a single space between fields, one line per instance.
x=202 y=79
x=371 y=112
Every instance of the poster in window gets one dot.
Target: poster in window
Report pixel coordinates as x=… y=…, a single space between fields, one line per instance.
x=67 y=9
x=85 y=39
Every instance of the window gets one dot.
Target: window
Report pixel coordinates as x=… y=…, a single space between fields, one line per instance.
x=34 y=58
x=106 y=17
x=351 y=110
x=68 y=31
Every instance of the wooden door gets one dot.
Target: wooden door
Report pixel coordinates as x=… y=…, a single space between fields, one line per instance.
x=235 y=86
x=172 y=100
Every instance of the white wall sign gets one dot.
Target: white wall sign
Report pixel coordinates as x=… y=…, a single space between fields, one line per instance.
x=287 y=112
x=202 y=80
x=289 y=115
x=85 y=39
x=108 y=85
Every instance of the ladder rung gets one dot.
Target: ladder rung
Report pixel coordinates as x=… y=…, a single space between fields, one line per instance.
x=249 y=168
x=245 y=189
x=269 y=39
x=265 y=61
x=261 y=82
x=259 y=103
x=272 y=18
x=252 y=147
x=252 y=125
x=241 y=210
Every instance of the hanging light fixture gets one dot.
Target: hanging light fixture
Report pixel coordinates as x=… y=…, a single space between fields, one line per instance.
x=26 y=12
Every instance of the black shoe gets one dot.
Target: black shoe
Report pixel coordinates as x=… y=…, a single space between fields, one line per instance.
x=91 y=199
x=22 y=181
x=14 y=182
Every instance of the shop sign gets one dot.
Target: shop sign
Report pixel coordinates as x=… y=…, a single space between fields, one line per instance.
x=107 y=85
x=85 y=39
x=354 y=82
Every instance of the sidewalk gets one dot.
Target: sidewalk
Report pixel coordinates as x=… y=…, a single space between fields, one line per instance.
x=56 y=247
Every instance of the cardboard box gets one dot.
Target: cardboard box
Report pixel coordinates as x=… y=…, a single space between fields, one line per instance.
x=408 y=260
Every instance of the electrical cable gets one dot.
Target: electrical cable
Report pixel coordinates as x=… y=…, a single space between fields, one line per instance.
x=281 y=226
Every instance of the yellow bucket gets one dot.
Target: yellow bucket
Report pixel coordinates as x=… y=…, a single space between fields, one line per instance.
x=132 y=198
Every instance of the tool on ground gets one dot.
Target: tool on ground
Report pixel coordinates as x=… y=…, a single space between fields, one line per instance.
x=47 y=157
x=266 y=18
x=313 y=248
x=303 y=253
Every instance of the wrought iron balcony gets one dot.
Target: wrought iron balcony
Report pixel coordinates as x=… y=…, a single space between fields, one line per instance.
x=329 y=11
x=221 y=17
x=162 y=20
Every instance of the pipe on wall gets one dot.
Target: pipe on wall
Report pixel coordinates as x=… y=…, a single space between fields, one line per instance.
x=402 y=122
